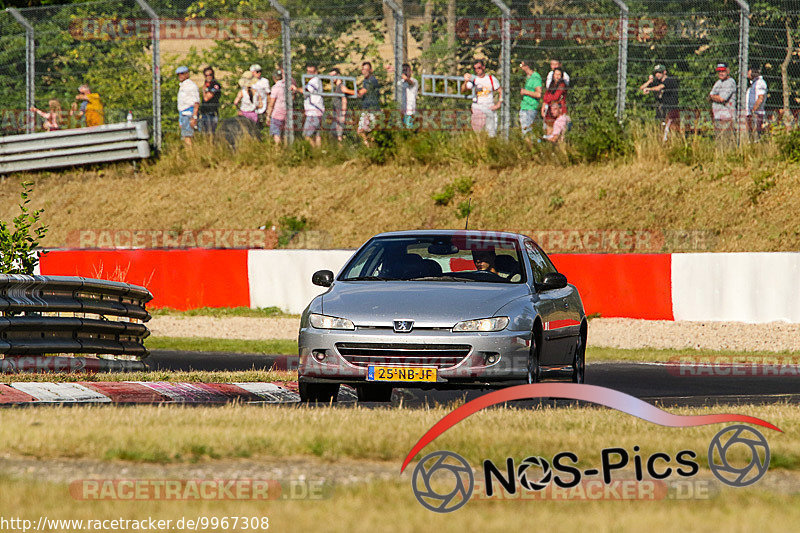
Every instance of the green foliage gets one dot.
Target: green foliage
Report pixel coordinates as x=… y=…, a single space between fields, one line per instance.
x=789 y=145
x=600 y=138
x=464 y=209
x=383 y=147
x=288 y=227
x=444 y=196
x=763 y=181
x=298 y=153
x=18 y=246
x=463 y=185
x=556 y=201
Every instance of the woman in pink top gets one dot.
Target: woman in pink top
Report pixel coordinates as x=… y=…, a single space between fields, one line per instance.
x=276 y=110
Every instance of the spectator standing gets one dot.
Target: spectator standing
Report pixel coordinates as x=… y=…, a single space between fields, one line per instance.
x=665 y=90
x=261 y=86
x=52 y=119
x=209 y=107
x=723 y=105
x=531 y=97
x=756 y=96
x=339 y=107
x=276 y=110
x=188 y=104
x=556 y=64
x=554 y=96
x=313 y=106
x=91 y=108
x=410 y=86
x=370 y=101
x=484 y=108
x=558 y=129
x=248 y=99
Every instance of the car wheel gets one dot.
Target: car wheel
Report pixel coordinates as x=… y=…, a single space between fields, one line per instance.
x=534 y=368
x=579 y=362
x=374 y=393
x=318 y=392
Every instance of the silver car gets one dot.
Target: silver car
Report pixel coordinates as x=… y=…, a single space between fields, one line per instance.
x=440 y=309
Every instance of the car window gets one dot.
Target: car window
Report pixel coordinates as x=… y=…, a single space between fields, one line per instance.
x=438 y=257
x=540 y=263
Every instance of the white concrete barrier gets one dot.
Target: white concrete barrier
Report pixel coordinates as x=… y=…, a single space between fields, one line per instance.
x=740 y=287
x=282 y=278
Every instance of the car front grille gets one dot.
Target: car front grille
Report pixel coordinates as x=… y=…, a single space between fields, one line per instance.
x=396 y=354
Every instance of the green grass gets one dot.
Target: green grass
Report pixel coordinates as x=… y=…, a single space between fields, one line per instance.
x=206 y=344
x=221 y=312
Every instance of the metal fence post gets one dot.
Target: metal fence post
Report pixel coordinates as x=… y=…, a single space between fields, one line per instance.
x=30 y=62
x=399 y=28
x=505 y=64
x=156 y=44
x=286 y=40
x=622 y=59
x=744 y=59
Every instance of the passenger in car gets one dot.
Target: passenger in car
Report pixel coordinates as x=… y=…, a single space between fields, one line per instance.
x=507 y=267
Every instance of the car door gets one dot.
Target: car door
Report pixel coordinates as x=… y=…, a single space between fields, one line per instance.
x=560 y=312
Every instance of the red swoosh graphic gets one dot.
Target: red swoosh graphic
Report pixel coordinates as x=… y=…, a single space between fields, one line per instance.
x=587 y=393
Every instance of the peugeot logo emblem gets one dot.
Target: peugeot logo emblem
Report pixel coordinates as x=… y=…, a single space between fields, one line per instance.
x=403 y=326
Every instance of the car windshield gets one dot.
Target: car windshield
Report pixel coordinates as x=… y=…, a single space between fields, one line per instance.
x=461 y=258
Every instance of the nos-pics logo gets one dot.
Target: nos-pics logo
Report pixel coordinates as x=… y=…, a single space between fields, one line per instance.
x=443 y=481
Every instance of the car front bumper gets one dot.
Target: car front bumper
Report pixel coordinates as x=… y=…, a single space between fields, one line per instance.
x=511 y=349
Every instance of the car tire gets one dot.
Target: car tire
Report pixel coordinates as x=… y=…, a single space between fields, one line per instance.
x=374 y=393
x=579 y=362
x=318 y=392
x=534 y=368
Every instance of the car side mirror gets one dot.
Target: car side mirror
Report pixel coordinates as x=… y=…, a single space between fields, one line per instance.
x=554 y=280
x=323 y=278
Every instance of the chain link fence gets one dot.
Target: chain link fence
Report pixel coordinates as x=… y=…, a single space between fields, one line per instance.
x=127 y=52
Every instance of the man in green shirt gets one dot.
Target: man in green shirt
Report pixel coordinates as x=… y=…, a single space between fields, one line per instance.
x=531 y=97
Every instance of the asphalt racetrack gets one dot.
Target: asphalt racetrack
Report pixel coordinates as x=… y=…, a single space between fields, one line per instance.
x=662 y=384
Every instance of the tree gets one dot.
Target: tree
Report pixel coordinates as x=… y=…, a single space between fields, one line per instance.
x=18 y=247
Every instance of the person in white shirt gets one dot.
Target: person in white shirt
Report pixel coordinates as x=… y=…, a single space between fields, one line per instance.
x=248 y=99
x=555 y=64
x=188 y=104
x=261 y=86
x=755 y=99
x=313 y=106
x=484 y=107
x=410 y=86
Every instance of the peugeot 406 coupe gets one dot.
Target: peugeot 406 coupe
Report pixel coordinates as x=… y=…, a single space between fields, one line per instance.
x=440 y=309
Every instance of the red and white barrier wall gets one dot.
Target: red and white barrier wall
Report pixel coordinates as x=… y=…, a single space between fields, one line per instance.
x=746 y=287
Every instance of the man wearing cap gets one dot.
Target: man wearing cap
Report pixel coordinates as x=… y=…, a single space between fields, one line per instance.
x=261 y=86
x=188 y=104
x=665 y=90
x=723 y=104
x=756 y=95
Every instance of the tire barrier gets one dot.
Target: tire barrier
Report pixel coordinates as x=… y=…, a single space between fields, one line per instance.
x=42 y=315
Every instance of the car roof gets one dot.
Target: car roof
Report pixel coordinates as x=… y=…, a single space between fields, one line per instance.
x=460 y=232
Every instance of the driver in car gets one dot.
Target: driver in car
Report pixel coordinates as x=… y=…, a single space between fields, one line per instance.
x=484 y=260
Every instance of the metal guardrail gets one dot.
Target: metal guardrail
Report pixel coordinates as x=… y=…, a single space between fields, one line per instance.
x=327 y=81
x=72 y=147
x=64 y=314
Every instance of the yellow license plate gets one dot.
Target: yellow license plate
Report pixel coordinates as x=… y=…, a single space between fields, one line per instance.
x=396 y=373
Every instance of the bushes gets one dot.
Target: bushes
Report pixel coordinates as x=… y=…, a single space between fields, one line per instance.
x=789 y=145
x=18 y=246
x=600 y=138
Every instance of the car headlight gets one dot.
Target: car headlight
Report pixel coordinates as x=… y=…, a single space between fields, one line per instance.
x=329 y=322
x=484 y=324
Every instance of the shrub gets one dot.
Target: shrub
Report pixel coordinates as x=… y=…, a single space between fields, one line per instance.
x=464 y=209
x=789 y=145
x=289 y=226
x=444 y=196
x=601 y=137
x=383 y=147
x=18 y=247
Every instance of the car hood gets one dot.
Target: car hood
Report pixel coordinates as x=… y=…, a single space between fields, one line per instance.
x=428 y=303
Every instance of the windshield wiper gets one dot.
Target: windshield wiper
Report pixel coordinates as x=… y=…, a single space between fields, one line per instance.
x=369 y=278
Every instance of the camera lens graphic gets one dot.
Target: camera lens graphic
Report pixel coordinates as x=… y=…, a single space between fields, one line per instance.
x=453 y=472
x=738 y=436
